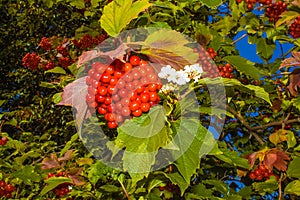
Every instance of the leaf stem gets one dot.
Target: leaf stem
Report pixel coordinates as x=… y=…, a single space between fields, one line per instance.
x=124 y=190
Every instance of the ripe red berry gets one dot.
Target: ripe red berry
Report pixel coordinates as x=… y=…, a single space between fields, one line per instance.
x=252 y=175
x=137 y=113
x=127 y=67
x=133 y=106
x=134 y=60
x=112 y=125
x=9 y=188
x=145 y=107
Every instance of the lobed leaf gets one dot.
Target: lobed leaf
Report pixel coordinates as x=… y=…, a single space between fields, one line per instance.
x=117 y=14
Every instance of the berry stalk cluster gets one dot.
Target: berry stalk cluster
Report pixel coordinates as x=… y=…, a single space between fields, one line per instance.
x=6 y=189
x=295 y=28
x=122 y=90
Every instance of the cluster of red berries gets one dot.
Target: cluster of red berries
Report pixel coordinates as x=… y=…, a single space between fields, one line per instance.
x=212 y=52
x=87 y=41
x=226 y=71
x=295 y=28
x=62 y=189
x=261 y=173
x=205 y=60
x=45 y=44
x=6 y=189
x=251 y=3
x=31 y=60
x=3 y=141
x=122 y=90
x=274 y=10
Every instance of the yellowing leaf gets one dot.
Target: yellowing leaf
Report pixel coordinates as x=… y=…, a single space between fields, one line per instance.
x=85 y=161
x=119 y=13
x=168 y=47
x=287 y=17
x=279 y=136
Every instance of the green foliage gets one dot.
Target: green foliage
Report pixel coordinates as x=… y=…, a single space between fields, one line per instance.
x=261 y=116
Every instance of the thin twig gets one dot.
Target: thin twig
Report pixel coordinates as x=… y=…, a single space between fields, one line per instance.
x=245 y=123
x=238 y=39
x=276 y=124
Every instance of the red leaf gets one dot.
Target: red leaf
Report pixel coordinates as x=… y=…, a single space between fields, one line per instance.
x=294 y=82
x=276 y=158
x=50 y=163
x=251 y=158
x=292 y=61
x=67 y=156
x=74 y=95
x=117 y=53
x=74 y=174
x=269 y=160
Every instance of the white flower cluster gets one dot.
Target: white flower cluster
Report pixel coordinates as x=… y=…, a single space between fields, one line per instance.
x=181 y=77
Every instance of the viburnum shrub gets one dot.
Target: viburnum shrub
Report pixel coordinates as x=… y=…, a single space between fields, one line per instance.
x=154 y=115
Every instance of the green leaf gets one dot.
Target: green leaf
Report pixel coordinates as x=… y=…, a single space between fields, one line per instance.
x=293 y=188
x=291 y=139
x=189 y=138
x=56 y=70
x=296 y=102
x=79 y=4
x=117 y=14
x=69 y=144
x=1 y=103
x=177 y=179
x=110 y=188
x=143 y=136
x=47 y=85
x=232 y=157
x=27 y=174
x=53 y=182
x=57 y=98
x=268 y=186
x=287 y=16
x=264 y=49
x=244 y=66
x=293 y=168
x=259 y=92
x=218 y=186
x=211 y=3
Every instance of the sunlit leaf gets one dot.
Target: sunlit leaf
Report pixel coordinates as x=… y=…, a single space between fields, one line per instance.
x=117 y=14
x=168 y=47
x=293 y=188
x=53 y=182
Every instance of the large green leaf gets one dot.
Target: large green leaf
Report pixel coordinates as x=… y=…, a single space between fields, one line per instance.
x=53 y=182
x=142 y=137
x=293 y=188
x=117 y=14
x=168 y=47
x=211 y=3
x=244 y=66
x=293 y=168
x=189 y=160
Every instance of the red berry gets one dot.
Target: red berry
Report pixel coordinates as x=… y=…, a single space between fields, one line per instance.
x=110 y=69
x=252 y=175
x=134 y=60
x=145 y=107
x=127 y=67
x=144 y=97
x=257 y=172
x=112 y=125
x=102 y=110
x=9 y=188
x=125 y=111
x=137 y=113
x=133 y=106
x=2 y=183
x=105 y=78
